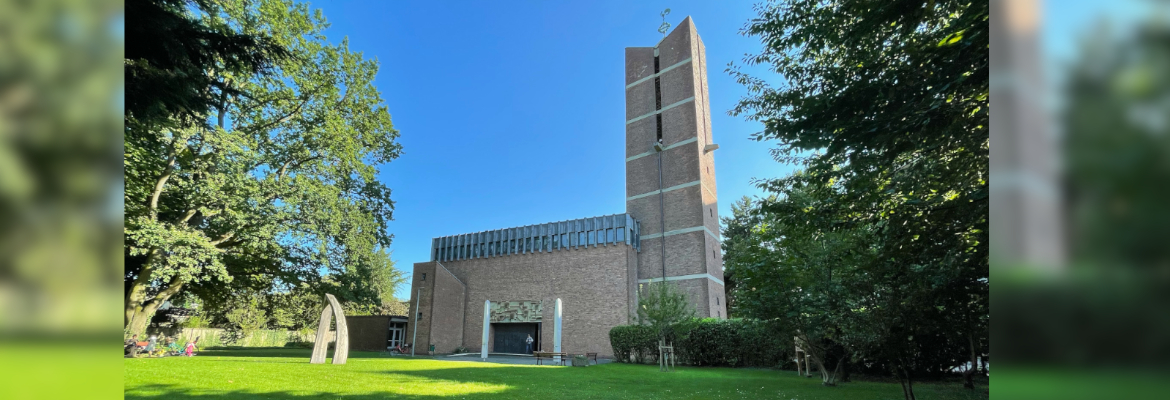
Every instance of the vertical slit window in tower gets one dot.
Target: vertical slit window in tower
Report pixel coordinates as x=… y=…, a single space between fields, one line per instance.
x=657 y=99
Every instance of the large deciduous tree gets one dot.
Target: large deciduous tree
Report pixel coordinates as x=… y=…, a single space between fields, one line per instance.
x=885 y=105
x=278 y=186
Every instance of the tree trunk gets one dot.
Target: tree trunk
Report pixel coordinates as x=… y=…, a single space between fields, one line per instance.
x=136 y=298
x=140 y=320
x=907 y=385
x=828 y=378
x=969 y=373
x=139 y=310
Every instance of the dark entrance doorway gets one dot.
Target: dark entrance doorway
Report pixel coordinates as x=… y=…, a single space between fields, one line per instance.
x=511 y=337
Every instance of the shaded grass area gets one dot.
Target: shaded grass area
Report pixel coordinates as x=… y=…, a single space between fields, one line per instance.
x=287 y=374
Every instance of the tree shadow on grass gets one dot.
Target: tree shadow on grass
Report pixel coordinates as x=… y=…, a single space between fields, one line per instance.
x=286 y=352
x=167 y=391
x=496 y=381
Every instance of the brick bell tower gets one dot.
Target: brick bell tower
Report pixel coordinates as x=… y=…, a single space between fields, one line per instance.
x=670 y=168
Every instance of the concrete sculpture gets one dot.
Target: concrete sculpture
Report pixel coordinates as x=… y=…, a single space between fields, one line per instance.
x=321 y=346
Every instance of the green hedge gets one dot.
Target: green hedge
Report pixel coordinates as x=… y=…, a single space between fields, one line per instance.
x=215 y=337
x=714 y=342
x=637 y=340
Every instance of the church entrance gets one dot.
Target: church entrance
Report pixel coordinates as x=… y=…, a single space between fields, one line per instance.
x=511 y=337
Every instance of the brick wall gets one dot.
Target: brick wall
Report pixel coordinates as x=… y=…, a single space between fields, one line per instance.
x=593 y=284
x=686 y=131
x=422 y=281
x=368 y=332
x=446 y=314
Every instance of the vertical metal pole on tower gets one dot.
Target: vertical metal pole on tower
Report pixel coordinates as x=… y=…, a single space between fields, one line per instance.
x=557 y=328
x=414 y=339
x=487 y=320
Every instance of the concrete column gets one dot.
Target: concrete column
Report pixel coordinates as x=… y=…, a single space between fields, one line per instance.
x=487 y=320
x=557 y=328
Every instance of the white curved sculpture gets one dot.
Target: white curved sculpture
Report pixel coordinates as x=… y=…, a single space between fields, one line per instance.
x=321 y=346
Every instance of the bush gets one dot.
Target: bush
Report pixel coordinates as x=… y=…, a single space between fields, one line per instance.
x=198 y=320
x=641 y=341
x=713 y=342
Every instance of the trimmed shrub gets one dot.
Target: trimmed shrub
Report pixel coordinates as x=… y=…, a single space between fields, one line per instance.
x=711 y=342
x=637 y=340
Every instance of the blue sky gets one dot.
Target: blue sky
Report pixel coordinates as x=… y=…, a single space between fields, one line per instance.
x=512 y=114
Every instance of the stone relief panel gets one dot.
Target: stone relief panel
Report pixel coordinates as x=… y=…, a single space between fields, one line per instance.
x=516 y=311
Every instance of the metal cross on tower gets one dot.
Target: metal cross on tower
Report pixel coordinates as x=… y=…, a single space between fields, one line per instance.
x=665 y=27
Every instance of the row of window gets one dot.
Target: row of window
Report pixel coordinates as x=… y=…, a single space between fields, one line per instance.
x=610 y=229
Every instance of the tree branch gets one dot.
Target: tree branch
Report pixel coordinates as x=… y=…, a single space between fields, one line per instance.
x=172 y=289
x=224 y=238
x=281 y=120
x=162 y=180
x=284 y=167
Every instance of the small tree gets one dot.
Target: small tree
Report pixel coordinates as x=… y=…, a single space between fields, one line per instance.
x=246 y=317
x=661 y=306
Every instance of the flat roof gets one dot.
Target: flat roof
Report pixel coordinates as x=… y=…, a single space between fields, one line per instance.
x=539 y=238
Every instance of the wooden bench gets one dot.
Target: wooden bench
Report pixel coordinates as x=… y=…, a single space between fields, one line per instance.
x=593 y=356
x=542 y=356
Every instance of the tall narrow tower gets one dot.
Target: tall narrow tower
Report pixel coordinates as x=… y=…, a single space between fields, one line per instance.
x=670 y=168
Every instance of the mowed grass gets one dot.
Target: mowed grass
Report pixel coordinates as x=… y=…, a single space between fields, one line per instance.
x=287 y=374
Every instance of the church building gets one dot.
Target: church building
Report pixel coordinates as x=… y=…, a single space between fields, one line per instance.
x=669 y=231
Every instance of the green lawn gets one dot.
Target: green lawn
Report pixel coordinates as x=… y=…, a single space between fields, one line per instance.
x=287 y=374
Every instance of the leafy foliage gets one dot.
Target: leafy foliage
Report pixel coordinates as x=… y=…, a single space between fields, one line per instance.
x=879 y=246
x=639 y=341
x=281 y=190
x=709 y=342
x=168 y=53
x=662 y=305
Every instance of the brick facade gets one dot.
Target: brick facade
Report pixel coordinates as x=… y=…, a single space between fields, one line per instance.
x=672 y=191
x=597 y=281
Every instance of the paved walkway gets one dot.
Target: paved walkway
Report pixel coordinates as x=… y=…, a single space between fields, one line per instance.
x=508 y=359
